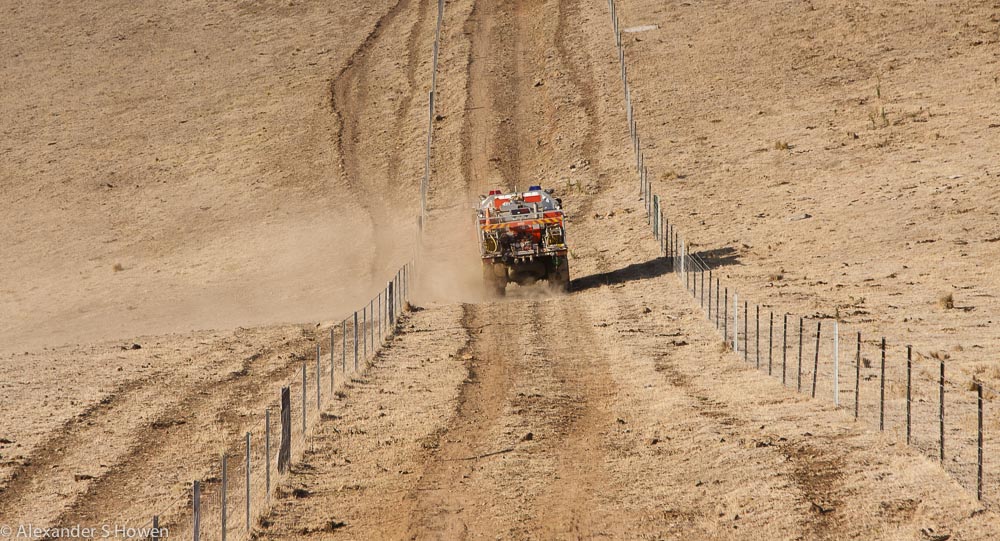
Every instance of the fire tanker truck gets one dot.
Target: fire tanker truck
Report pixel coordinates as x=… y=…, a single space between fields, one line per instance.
x=522 y=239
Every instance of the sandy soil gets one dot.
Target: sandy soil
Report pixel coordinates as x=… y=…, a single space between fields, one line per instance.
x=193 y=145
x=252 y=164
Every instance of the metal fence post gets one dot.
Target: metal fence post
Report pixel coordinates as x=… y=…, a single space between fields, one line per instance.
x=333 y=362
x=663 y=231
x=248 y=484
x=303 y=399
x=717 y=307
x=770 y=344
x=736 y=323
x=371 y=310
x=725 y=317
x=798 y=384
x=784 y=349
x=196 y=511
x=979 y=441
x=836 y=363
x=267 y=454
x=746 y=330
x=909 y=383
x=702 y=287
x=757 y=337
x=364 y=332
x=857 y=379
x=819 y=325
x=154 y=534
x=319 y=372
x=881 y=397
x=941 y=413
x=355 y=341
x=710 y=294
x=224 y=488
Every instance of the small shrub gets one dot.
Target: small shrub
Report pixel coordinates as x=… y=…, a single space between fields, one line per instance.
x=118 y=267
x=782 y=145
x=946 y=301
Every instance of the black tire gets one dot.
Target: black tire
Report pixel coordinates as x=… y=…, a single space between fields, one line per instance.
x=559 y=275
x=496 y=286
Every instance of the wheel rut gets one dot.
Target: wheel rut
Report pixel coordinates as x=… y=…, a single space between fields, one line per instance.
x=371 y=169
x=131 y=449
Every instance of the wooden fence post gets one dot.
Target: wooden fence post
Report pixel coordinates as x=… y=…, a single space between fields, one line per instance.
x=285 y=445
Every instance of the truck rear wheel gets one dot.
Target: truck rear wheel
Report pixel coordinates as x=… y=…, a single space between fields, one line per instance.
x=558 y=275
x=494 y=281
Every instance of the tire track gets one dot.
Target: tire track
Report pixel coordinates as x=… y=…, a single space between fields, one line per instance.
x=505 y=45
x=350 y=96
x=474 y=137
x=579 y=71
x=403 y=109
x=49 y=491
x=200 y=412
x=437 y=503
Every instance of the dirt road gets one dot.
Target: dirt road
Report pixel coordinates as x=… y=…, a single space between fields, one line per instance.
x=612 y=412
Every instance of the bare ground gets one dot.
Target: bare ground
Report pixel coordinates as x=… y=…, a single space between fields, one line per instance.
x=612 y=412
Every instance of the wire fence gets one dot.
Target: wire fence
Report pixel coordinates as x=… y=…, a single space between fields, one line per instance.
x=910 y=397
x=229 y=502
x=425 y=182
x=228 y=506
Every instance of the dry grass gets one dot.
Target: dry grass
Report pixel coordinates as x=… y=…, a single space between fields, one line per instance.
x=940 y=355
x=118 y=267
x=877 y=115
x=782 y=145
x=946 y=301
